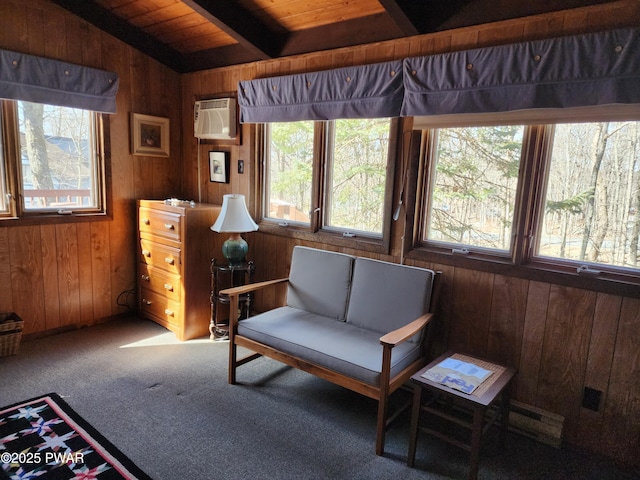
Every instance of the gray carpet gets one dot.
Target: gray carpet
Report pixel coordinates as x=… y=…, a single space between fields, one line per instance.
x=169 y=408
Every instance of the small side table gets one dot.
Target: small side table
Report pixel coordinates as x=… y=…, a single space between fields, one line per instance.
x=497 y=386
x=227 y=276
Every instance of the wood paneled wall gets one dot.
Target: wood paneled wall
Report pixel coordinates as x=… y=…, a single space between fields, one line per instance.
x=561 y=339
x=56 y=276
x=71 y=274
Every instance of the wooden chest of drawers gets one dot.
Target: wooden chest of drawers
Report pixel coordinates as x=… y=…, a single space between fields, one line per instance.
x=175 y=250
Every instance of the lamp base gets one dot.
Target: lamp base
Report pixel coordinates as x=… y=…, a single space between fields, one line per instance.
x=234 y=249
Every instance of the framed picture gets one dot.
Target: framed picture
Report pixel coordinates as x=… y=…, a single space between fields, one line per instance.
x=219 y=167
x=149 y=135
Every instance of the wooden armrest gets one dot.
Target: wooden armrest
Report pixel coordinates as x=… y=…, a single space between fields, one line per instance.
x=251 y=287
x=403 y=333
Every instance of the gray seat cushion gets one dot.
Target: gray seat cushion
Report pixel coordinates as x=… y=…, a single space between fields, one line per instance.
x=386 y=296
x=339 y=346
x=319 y=281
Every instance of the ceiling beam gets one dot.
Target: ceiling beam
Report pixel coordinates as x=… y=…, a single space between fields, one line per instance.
x=466 y=13
x=426 y=16
x=398 y=15
x=244 y=27
x=119 y=28
x=233 y=54
x=348 y=33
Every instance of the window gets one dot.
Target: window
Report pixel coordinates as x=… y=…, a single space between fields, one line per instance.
x=592 y=195
x=50 y=160
x=356 y=175
x=475 y=175
x=289 y=172
x=560 y=198
x=329 y=176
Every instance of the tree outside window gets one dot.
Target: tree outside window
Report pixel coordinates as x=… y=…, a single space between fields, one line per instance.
x=346 y=172
x=289 y=172
x=593 y=194
x=475 y=179
x=57 y=157
x=356 y=178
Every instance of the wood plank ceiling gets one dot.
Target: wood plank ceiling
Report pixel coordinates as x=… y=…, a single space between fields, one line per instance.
x=193 y=35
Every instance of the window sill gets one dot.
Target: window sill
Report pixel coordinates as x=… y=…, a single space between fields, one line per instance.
x=53 y=219
x=546 y=272
x=324 y=237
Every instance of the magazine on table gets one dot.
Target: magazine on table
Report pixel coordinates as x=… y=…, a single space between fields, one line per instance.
x=457 y=374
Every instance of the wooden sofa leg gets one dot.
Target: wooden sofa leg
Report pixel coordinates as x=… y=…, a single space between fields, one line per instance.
x=385 y=376
x=232 y=363
x=382 y=425
x=233 y=353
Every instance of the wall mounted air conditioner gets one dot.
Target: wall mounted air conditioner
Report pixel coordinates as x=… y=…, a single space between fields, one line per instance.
x=215 y=118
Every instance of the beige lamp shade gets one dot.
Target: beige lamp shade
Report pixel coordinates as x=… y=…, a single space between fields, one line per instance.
x=234 y=216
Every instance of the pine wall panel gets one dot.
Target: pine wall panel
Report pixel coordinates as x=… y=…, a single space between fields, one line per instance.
x=561 y=339
x=70 y=274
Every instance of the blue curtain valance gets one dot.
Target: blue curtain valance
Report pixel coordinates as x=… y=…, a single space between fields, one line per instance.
x=43 y=80
x=575 y=71
x=582 y=70
x=369 y=91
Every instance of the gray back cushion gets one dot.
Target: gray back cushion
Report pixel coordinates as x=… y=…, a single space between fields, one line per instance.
x=319 y=281
x=386 y=296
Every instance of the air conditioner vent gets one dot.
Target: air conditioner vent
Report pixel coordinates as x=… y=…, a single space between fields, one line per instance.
x=215 y=103
x=215 y=118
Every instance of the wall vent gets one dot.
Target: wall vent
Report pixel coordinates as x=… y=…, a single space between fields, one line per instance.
x=215 y=119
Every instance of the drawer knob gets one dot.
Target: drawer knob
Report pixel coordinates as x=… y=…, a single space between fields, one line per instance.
x=146 y=253
x=146 y=302
x=169 y=260
x=169 y=226
x=168 y=312
x=146 y=221
x=145 y=277
x=168 y=286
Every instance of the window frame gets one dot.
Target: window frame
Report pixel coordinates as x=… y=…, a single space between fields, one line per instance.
x=425 y=200
x=529 y=210
x=16 y=214
x=315 y=230
x=263 y=138
x=540 y=178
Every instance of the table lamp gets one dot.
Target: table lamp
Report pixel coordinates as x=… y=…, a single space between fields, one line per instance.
x=234 y=218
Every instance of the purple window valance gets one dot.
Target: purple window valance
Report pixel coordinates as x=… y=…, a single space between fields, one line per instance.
x=575 y=71
x=582 y=70
x=43 y=80
x=369 y=91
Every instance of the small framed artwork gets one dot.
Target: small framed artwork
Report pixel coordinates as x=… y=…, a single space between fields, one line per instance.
x=149 y=135
x=219 y=167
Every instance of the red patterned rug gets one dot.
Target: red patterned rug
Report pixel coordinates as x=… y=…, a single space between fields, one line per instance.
x=44 y=438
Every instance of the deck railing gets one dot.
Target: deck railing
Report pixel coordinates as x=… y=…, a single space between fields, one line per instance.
x=35 y=198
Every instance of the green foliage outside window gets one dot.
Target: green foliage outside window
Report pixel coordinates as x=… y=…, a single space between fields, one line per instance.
x=290 y=171
x=356 y=186
x=354 y=164
x=474 y=188
x=593 y=194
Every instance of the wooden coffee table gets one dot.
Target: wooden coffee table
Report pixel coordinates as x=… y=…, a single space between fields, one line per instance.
x=497 y=386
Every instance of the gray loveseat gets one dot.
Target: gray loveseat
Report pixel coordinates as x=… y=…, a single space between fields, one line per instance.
x=357 y=322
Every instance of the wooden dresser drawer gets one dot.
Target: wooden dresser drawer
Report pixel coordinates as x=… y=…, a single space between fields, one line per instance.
x=166 y=311
x=163 y=224
x=174 y=265
x=160 y=256
x=161 y=282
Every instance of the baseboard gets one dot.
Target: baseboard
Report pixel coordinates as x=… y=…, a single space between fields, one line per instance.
x=68 y=328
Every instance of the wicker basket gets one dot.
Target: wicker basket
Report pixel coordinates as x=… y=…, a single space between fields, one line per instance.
x=10 y=333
